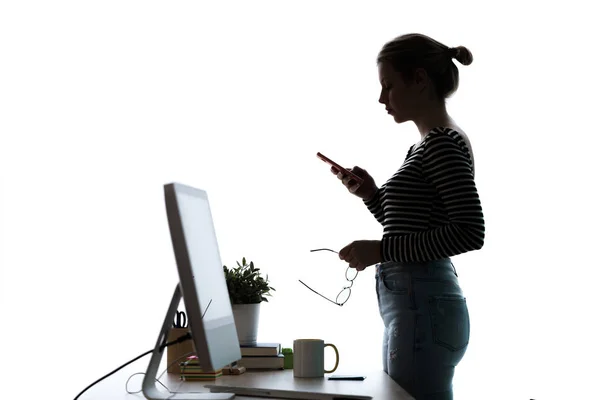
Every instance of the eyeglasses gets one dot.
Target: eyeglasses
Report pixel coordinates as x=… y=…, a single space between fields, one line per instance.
x=344 y=295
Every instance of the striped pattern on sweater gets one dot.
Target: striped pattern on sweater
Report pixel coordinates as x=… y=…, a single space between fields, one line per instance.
x=430 y=208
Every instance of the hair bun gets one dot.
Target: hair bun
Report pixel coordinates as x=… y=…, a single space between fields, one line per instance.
x=461 y=54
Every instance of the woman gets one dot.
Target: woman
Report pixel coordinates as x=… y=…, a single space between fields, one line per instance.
x=430 y=211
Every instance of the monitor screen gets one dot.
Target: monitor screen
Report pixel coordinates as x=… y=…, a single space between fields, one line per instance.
x=201 y=276
x=205 y=261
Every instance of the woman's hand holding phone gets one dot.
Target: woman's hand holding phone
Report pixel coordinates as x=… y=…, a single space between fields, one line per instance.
x=364 y=190
x=357 y=180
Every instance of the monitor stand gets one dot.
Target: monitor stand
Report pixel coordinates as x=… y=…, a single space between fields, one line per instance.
x=149 y=387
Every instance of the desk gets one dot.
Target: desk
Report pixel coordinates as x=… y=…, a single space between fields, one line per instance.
x=377 y=385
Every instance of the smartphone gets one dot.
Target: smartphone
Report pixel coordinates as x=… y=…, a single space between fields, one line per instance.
x=346 y=378
x=341 y=169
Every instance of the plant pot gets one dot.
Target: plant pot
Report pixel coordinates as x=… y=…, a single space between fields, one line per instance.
x=246 y=322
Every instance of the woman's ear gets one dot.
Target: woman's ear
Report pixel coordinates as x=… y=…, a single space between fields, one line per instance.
x=421 y=79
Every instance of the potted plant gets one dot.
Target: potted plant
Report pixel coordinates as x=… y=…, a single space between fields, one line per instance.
x=247 y=289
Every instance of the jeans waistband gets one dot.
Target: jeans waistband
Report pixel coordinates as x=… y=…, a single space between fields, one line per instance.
x=416 y=269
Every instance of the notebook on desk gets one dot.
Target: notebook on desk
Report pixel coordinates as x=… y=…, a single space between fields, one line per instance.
x=283 y=394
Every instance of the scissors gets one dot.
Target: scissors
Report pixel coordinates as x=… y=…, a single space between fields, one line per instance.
x=180 y=320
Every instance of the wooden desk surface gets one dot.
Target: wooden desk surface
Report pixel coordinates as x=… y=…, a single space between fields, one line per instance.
x=378 y=385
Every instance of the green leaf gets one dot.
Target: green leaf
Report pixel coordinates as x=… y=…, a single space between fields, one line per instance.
x=245 y=283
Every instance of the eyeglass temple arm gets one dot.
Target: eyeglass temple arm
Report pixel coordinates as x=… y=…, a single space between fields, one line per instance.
x=324 y=249
x=314 y=291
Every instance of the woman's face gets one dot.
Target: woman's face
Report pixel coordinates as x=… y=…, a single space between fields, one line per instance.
x=401 y=99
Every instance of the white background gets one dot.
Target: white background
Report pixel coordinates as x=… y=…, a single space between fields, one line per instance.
x=104 y=102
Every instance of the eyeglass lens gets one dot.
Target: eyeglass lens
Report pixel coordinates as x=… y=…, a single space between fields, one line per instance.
x=343 y=296
x=351 y=274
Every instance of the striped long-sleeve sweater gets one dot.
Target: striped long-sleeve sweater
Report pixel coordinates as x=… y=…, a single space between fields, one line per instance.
x=430 y=208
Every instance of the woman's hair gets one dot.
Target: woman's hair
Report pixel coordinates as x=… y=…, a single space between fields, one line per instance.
x=408 y=52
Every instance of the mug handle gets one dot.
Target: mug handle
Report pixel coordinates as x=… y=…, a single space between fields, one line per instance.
x=337 y=357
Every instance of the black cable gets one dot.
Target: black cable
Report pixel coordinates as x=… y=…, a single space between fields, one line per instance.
x=180 y=339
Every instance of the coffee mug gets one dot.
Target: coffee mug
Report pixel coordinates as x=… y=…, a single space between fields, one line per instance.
x=309 y=358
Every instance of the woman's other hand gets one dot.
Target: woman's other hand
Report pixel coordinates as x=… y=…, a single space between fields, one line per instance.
x=361 y=253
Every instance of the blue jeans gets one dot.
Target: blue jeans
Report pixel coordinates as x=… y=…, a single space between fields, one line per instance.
x=426 y=325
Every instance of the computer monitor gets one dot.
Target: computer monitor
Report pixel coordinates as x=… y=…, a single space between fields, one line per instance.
x=203 y=288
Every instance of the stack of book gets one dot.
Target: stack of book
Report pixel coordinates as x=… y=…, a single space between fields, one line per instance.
x=190 y=370
x=261 y=356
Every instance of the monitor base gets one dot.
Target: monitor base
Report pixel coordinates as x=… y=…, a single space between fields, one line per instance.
x=149 y=388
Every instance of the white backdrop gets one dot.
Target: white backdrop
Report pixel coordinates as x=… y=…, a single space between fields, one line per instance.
x=104 y=102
